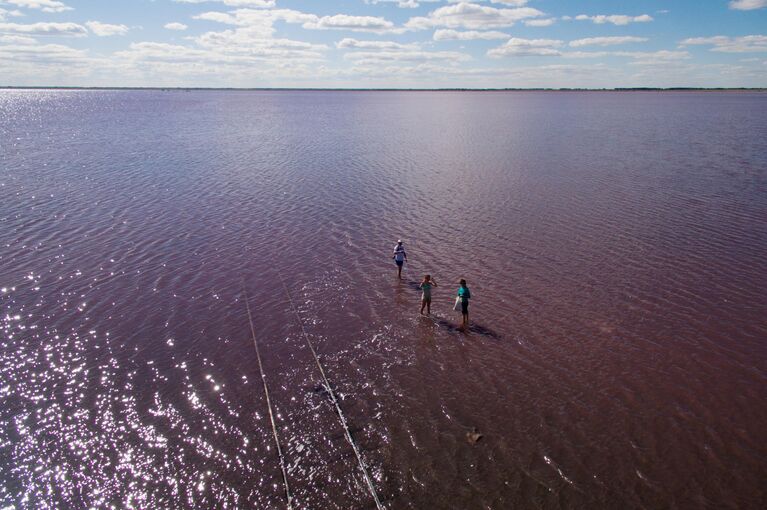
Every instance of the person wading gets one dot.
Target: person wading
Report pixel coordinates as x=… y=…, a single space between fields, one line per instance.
x=464 y=295
x=400 y=257
x=426 y=286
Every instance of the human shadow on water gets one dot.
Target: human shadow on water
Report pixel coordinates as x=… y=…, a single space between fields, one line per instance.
x=416 y=286
x=452 y=327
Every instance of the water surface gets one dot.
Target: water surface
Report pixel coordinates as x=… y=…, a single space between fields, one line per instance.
x=614 y=244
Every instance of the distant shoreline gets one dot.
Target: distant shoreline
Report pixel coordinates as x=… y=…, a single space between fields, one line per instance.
x=317 y=89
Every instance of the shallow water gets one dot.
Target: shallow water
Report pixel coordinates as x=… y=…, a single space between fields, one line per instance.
x=614 y=244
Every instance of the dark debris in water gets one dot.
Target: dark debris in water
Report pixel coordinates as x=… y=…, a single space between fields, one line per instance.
x=474 y=436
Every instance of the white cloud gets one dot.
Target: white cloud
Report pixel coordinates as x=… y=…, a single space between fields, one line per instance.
x=606 y=41
x=615 y=19
x=265 y=19
x=258 y=20
x=271 y=52
x=233 y=3
x=218 y=17
x=516 y=47
x=539 y=22
x=662 y=55
x=515 y=3
x=349 y=43
x=43 y=28
x=245 y=42
x=471 y=16
x=370 y=57
x=43 y=5
x=352 y=23
x=384 y=52
x=404 y=4
x=447 y=34
x=175 y=26
x=26 y=52
x=747 y=5
x=17 y=39
x=724 y=44
x=106 y=29
x=4 y=13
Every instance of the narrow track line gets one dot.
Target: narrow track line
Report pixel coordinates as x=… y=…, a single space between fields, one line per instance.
x=332 y=394
x=288 y=497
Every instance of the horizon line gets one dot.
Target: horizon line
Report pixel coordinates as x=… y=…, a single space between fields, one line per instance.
x=390 y=89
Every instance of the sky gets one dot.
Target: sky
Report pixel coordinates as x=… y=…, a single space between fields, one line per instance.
x=384 y=43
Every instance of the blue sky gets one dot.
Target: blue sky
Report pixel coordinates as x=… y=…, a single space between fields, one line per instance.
x=384 y=43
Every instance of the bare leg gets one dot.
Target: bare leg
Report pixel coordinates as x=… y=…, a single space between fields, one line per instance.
x=428 y=307
x=423 y=304
x=399 y=271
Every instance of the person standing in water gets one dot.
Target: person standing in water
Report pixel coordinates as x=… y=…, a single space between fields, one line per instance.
x=464 y=294
x=400 y=257
x=426 y=286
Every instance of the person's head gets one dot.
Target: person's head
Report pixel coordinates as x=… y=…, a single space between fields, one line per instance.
x=427 y=277
x=399 y=241
x=462 y=282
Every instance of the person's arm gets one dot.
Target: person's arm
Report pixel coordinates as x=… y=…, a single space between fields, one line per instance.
x=468 y=293
x=433 y=282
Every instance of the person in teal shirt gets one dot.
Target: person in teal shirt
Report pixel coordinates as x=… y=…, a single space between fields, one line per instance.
x=464 y=294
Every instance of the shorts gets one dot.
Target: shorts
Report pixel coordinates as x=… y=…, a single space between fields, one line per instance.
x=465 y=306
x=399 y=262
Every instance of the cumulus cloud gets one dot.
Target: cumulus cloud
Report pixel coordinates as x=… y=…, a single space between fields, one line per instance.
x=349 y=43
x=270 y=52
x=606 y=41
x=352 y=23
x=615 y=19
x=218 y=17
x=233 y=3
x=266 y=18
x=724 y=44
x=106 y=29
x=4 y=13
x=747 y=5
x=43 y=5
x=17 y=39
x=517 y=47
x=43 y=28
x=372 y=57
x=472 y=16
x=253 y=42
x=42 y=54
x=539 y=22
x=384 y=52
x=662 y=55
x=515 y=3
x=175 y=26
x=257 y=21
x=447 y=34
x=405 y=4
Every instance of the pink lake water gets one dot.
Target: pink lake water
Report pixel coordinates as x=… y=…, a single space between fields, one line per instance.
x=614 y=244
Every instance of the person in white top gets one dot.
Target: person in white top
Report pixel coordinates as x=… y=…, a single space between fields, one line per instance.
x=400 y=257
